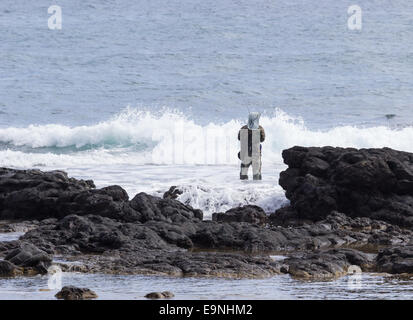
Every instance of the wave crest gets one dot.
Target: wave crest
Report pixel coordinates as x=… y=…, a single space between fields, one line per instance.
x=150 y=138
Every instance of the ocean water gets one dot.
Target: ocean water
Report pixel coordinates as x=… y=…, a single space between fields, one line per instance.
x=368 y=287
x=149 y=94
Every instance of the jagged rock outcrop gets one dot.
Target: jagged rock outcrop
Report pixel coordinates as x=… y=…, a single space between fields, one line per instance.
x=74 y=293
x=154 y=208
x=375 y=183
x=327 y=264
x=160 y=247
x=33 y=194
x=28 y=256
x=104 y=231
x=396 y=260
x=172 y=193
x=249 y=213
x=8 y=269
x=159 y=295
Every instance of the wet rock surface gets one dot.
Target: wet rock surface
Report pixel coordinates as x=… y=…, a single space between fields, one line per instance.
x=161 y=248
x=250 y=213
x=74 y=293
x=33 y=194
x=17 y=226
x=102 y=230
x=327 y=264
x=396 y=260
x=160 y=295
x=30 y=257
x=172 y=193
x=152 y=247
x=8 y=269
x=374 y=183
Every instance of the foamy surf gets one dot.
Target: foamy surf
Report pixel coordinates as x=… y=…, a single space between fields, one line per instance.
x=138 y=131
x=143 y=151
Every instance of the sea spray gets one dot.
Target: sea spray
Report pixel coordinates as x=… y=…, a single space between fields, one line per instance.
x=142 y=137
x=144 y=151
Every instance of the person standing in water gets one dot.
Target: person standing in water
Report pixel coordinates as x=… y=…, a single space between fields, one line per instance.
x=250 y=137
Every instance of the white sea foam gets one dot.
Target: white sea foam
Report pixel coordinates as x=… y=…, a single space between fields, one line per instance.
x=135 y=150
x=155 y=138
x=210 y=198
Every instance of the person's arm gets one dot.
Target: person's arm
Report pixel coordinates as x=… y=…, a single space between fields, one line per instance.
x=239 y=132
x=262 y=138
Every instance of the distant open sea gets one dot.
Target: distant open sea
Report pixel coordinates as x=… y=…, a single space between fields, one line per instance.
x=92 y=97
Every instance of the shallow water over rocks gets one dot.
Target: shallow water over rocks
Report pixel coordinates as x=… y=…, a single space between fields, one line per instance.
x=370 y=286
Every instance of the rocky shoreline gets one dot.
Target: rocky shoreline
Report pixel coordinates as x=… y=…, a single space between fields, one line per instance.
x=347 y=208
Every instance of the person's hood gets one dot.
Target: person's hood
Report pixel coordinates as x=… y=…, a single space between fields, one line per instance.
x=254 y=120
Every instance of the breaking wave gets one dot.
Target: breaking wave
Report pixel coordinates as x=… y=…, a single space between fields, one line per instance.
x=141 y=137
x=142 y=151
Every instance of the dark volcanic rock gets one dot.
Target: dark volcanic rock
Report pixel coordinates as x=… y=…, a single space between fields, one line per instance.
x=154 y=208
x=334 y=231
x=172 y=193
x=159 y=295
x=109 y=202
x=8 y=269
x=29 y=256
x=7 y=246
x=106 y=232
x=153 y=247
x=93 y=234
x=327 y=264
x=182 y=263
x=396 y=260
x=249 y=213
x=375 y=183
x=33 y=194
x=17 y=226
x=73 y=293
x=158 y=246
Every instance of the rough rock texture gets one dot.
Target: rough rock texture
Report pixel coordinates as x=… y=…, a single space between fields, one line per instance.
x=154 y=208
x=159 y=247
x=103 y=231
x=8 y=269
x=172 y=193
x=73 y=293
x=153 y=247
x=160 y=295
x=182 y=263
x=33 y=194
x=95 y=234
x=327 y=264
x=17 y=226
x=30 y=257
x=375 y=183
x=249 y=213
x=23 y=258
x=334 y=231
x=396 y=260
